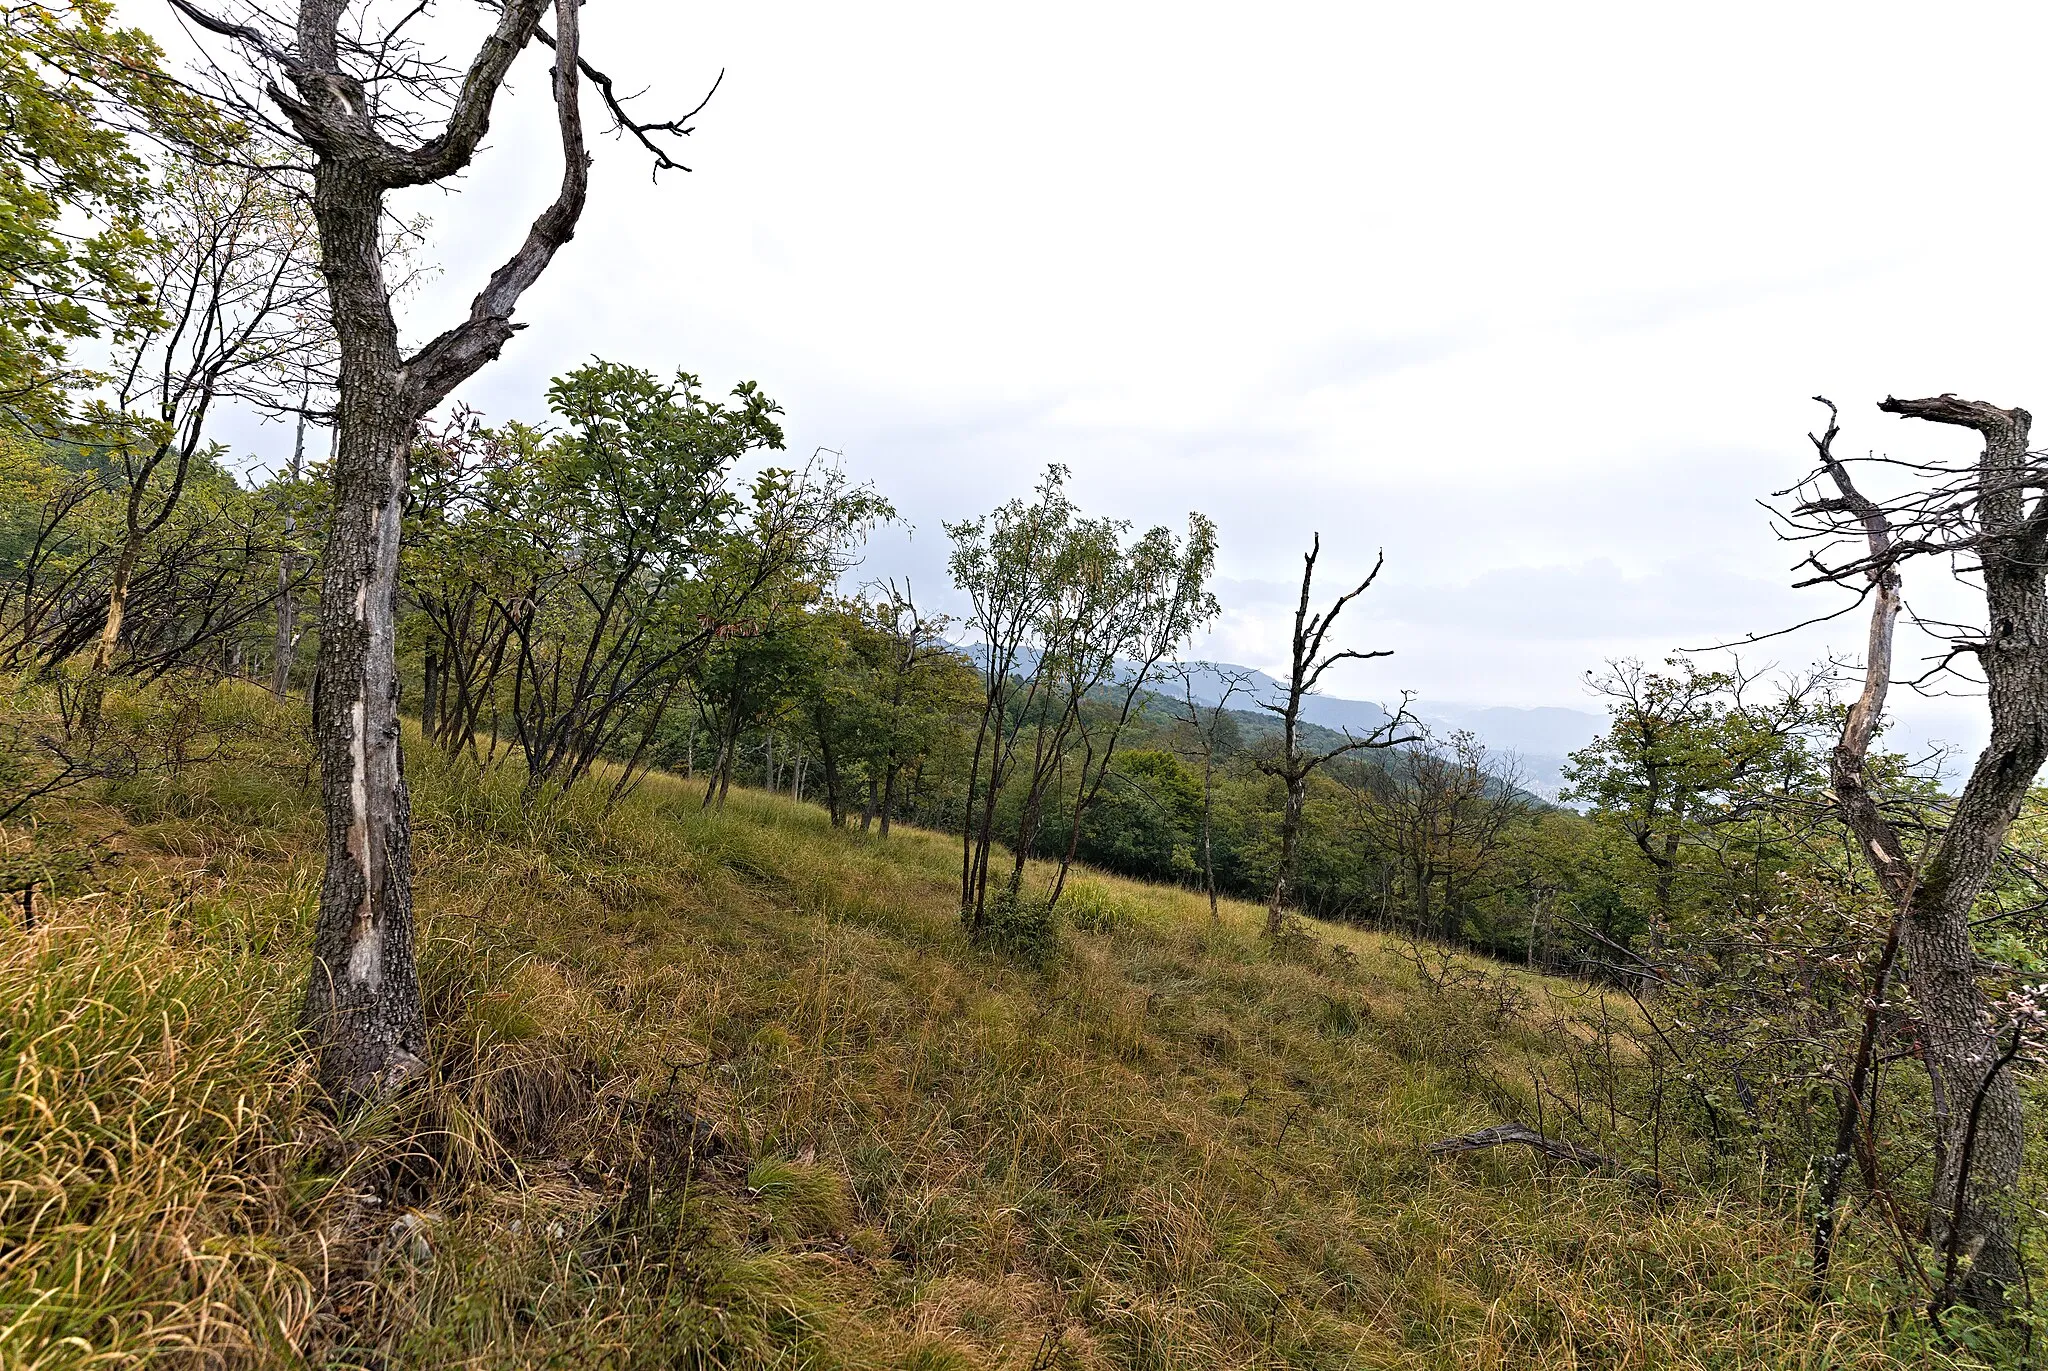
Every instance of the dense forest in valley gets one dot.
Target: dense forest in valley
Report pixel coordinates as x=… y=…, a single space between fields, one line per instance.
x=533 y=889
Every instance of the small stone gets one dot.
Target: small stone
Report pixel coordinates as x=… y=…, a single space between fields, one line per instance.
x=409 y=1239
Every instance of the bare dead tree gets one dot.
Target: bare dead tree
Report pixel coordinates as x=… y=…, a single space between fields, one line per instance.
x=1991 y=517
x=1294 y=764
x=378 y=113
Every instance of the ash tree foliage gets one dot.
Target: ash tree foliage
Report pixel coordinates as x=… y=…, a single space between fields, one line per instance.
x=1690 y=759
x=891 y=692
x=1448 y=812
x=81 y=100
x=1075 y=624
x=570 y=585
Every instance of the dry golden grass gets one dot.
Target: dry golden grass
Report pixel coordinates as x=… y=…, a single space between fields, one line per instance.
x=1169 y=1148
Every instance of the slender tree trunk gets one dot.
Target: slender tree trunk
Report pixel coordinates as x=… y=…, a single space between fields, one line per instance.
x=973 y=842
x=1290 y=837
x=286 y=649
x=117 y=601
x=1853 y=1105
x=888 y=796
x=1208 y=853
x=431 y=691
x=828 y=766
x=137 y=532
x=717 y=768
x=983 y=842
x=728 y=758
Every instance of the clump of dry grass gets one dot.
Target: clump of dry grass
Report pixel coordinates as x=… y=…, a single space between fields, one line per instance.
x=147 y=1092
x=729 y=1090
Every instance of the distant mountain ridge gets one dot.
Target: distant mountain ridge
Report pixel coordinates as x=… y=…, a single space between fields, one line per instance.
x=1541 y=737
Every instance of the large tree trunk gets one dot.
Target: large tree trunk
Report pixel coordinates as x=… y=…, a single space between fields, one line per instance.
x=362 y=1004
x=1978 y=1124
x=1971 y=1208
x=1972 y=1212
x=363 y=1001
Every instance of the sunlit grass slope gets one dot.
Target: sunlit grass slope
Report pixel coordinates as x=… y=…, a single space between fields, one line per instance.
x=730 y=1090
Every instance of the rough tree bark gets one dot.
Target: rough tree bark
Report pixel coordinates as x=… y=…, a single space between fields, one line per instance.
x=1970 y=1206
x=363 y=1007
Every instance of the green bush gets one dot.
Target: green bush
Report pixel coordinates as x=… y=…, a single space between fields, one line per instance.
x=1024 y=929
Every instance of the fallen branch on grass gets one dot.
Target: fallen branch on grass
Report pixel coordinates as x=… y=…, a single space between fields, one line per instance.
x=1555 y=1148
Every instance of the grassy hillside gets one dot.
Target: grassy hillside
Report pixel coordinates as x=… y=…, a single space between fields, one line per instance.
x=728 y=1090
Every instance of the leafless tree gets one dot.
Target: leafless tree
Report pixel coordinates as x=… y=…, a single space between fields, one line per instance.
x=1990 y=517
x=1294 y=764
x=376 y=113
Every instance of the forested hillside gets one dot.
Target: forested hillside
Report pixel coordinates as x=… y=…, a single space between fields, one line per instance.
x=540 y=888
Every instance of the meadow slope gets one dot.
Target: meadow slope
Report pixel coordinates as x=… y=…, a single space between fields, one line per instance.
x=730 y=1090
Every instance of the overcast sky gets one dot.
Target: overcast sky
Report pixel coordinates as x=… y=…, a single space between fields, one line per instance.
x=1532 y=297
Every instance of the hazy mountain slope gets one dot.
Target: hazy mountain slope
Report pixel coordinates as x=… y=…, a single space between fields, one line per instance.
x=1541 y=738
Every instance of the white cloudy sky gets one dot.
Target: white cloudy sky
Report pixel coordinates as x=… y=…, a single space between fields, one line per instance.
x=1533 y=297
